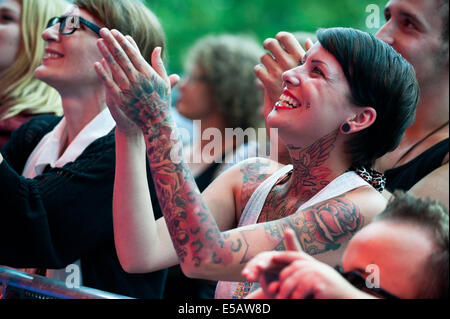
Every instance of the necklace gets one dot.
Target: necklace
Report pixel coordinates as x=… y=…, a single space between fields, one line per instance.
x=419 y=142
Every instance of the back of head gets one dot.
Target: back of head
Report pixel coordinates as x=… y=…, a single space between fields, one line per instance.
x=227 y=62
x=130 y=17
x=20 y=91
x=433 y=218
x=380 y=78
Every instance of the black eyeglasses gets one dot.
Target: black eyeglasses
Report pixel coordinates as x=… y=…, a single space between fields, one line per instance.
x=358 y=281
x=71 y=23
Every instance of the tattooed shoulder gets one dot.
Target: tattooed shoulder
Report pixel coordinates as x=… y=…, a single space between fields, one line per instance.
x=253 y=172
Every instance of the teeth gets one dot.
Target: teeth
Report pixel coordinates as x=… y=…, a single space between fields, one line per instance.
x=52 y=55
x=287 y=101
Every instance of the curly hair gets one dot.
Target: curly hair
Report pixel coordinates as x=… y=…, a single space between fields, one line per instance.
x=227 y=63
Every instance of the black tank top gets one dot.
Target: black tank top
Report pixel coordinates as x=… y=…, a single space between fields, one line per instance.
x=406 y=176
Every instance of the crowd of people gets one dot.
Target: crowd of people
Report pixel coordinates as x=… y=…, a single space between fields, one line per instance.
x=354 y=203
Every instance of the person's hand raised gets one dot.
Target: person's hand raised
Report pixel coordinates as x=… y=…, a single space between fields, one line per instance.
x=285 y=54
x=135 y=91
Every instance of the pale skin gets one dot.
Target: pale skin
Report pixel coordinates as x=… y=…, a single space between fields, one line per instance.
x=202 y=227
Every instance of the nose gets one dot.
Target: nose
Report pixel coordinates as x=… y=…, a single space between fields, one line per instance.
x=386 y=33
x=51 y=34
x=292 y=77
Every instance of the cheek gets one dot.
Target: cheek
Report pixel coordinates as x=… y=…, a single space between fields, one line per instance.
x=9 y=44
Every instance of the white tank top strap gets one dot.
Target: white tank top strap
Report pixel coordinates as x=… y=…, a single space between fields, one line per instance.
x=255 y=204
x=340 y=185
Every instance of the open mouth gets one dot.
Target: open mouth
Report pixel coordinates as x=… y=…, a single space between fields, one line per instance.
x=50 y=54
x=287 y=101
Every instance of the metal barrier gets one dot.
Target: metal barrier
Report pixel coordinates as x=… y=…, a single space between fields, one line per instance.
x=16 y=284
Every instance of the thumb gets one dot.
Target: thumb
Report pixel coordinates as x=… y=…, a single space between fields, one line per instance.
x=174 y=79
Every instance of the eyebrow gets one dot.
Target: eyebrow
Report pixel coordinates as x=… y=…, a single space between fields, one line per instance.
x=405 y=14
x=321 y=62
x=9 y=10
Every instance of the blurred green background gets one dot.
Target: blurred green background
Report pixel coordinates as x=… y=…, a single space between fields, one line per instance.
x=184 y=21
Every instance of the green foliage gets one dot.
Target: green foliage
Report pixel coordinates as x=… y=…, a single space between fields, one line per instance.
x=184 y=21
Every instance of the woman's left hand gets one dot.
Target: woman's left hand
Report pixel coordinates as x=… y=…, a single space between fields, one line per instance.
x=133 y=87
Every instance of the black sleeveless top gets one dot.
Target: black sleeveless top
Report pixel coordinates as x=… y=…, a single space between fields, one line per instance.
x=406 y=176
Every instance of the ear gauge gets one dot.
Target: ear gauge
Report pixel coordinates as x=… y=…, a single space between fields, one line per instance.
x=345 y=128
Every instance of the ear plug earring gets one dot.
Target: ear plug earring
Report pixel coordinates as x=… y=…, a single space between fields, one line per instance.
x=345 y=128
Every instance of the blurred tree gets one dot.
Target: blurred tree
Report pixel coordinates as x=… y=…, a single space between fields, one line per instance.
x=184 y=21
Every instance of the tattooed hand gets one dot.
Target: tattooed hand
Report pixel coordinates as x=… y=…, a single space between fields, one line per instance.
x=136 y=92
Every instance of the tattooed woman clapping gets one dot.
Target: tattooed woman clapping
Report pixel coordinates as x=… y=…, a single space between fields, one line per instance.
x=345 y=104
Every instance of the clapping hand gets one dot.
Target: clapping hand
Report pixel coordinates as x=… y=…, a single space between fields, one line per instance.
x=137 y=94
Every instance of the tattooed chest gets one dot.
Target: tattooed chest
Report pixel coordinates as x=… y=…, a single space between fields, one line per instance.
x=276 y=208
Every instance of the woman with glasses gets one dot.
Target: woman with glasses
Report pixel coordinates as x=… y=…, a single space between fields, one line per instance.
x=402 y=254
x=57 y=174
x=22 y=96
x=347 y=103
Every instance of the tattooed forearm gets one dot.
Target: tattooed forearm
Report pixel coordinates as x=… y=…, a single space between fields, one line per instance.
x=326 y=225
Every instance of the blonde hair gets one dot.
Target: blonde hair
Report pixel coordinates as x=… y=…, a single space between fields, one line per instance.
x=20 y=90
x=130 y=17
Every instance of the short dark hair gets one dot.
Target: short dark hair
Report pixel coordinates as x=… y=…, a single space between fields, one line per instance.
x=433 y=218
x=380 y=78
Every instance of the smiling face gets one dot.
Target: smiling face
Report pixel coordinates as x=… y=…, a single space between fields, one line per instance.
x=315 y=100
x=414 y=29
x=69 y=59
x=10 y=34
x=400 y=250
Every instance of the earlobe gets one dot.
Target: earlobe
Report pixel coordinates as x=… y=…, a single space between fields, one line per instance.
x=365 y=118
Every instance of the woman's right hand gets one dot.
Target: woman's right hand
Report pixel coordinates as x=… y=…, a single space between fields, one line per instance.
x=285 y=54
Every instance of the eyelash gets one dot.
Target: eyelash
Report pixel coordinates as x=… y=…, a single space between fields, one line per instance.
x=318 y=70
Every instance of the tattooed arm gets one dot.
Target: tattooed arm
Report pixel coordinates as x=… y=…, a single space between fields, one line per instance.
x=202 y=249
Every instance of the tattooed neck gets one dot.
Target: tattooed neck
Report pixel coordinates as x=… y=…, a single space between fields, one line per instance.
x=311 y=170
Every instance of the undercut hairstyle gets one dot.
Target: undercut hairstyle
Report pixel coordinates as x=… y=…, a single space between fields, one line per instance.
x=20 y=91
x=433 y=218
x=130 y=17
x=227 y=62
x=379 y=78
